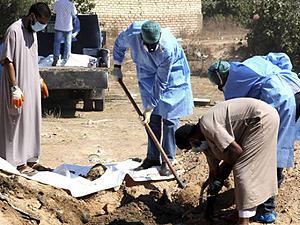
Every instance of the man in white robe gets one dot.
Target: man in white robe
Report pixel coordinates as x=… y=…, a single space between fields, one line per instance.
x=20 y=91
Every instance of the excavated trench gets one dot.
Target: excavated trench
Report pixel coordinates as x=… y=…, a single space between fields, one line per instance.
x=134 y=203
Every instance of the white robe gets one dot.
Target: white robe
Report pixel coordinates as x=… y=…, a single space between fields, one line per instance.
x=20 y=128
x=253 y=124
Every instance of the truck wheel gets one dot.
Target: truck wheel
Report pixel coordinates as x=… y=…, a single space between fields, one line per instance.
x=54 y=111
x=88 y=105
x=99 y=105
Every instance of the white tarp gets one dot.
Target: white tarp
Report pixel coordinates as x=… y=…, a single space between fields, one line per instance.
x=74 y=60
x=67 y=176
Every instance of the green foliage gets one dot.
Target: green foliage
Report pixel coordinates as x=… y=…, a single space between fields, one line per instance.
x=7 y=15
x=238 y=10
x=85 y=6
x=11 y=10
x=275 y=28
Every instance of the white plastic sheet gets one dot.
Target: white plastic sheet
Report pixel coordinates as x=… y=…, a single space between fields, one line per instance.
x=69 y=176
x=74 y=60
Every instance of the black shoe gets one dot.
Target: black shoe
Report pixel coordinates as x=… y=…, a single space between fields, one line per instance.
x=54 y=62
x=147 y=164
x=165 y=170
x=280 y=177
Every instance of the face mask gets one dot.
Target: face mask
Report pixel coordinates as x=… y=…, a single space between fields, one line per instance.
x=200 y=148
x=220 y=78
x=151 y=47
x=38 y=26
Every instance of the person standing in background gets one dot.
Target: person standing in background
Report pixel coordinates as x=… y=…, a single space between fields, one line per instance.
x=65 y=10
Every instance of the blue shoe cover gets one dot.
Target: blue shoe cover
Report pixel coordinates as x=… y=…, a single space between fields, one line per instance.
x=265 y=217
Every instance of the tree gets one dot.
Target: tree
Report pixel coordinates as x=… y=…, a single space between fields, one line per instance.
x=276 y=29
x=238 y=10
x=11 y=10
x=85 y=6
x=273 y=25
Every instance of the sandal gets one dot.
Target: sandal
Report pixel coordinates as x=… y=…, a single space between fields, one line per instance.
x=26 y=170
x=38 y=167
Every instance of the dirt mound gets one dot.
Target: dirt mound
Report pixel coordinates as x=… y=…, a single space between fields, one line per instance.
x=145 y=203
x=159 y=202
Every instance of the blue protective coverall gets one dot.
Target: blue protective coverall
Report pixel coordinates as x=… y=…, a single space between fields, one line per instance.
x=164 y=82
x=270 y=79
x=76 y=27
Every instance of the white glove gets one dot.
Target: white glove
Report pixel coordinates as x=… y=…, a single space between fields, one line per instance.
x=17 y=96
x=147 y=115
x=74 y=34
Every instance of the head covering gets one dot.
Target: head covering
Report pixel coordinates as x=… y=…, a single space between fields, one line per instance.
x=151 y=32
x=182 y=136
x=218 y=72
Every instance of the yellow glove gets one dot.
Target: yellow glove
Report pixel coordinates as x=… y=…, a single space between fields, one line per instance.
x=147 y=115
x=17 y=96
x=44 y=88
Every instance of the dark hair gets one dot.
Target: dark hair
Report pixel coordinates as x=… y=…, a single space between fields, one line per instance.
x=183 y=134
x=40 y=9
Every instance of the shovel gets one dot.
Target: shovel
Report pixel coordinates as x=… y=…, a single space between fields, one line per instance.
x=201 y=208
x=207 y=203
x=152 y=136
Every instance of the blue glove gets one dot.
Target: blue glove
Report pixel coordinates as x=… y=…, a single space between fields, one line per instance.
x=117 y=72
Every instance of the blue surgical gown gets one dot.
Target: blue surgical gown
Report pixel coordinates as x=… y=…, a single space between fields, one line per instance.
x=270 y=79
x=76 y=27
x=163 y=75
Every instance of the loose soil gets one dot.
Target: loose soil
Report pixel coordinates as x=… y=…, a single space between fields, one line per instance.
x=115 y=135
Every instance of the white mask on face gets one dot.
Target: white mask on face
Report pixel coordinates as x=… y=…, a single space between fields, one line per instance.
x=147 y=50
x=201 y=147
x=38 y=26
x=145 y=47
x=219 y=77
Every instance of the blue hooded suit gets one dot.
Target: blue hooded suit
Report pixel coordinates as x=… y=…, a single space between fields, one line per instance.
x=270 y=79
x=163 y=79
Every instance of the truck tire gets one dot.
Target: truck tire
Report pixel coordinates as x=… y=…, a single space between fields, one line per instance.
x=99 y=105
x=88 y=105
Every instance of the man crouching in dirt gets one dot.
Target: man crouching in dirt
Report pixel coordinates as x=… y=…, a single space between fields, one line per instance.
x=242 y=133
